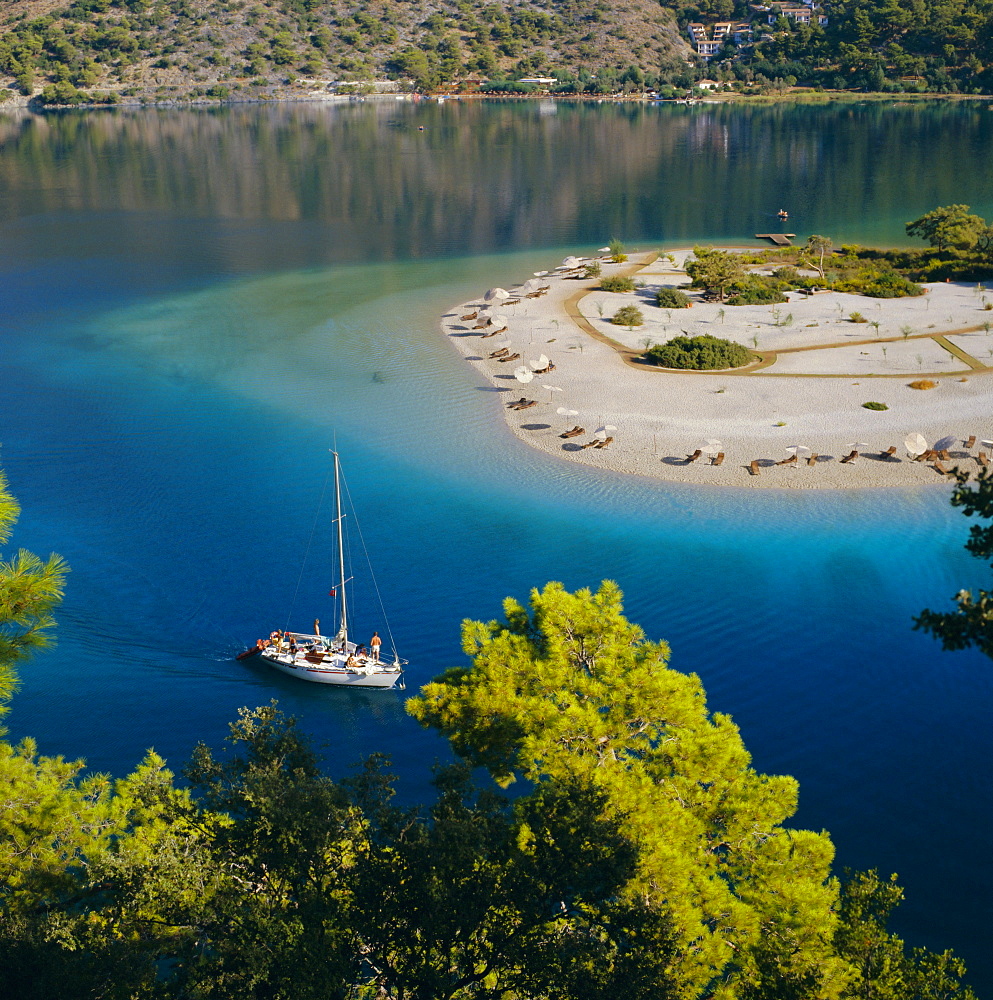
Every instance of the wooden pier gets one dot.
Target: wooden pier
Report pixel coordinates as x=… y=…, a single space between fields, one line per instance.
x=780 y=239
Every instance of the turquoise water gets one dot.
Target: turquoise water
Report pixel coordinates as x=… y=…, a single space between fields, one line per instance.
x=197 y=306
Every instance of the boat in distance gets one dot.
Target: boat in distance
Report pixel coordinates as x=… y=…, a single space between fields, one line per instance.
x=323 y=660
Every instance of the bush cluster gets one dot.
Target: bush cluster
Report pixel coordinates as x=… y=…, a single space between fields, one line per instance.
x=875 y=406
x=757 y=290
x=699 y=354
x=628 y=316
x=671 y=298
x=616 y=283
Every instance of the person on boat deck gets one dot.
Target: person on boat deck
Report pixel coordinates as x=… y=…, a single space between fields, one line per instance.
x=374 y=643
x=317 y=627
x=360 y=650
x=293 y=646
x=351 y=662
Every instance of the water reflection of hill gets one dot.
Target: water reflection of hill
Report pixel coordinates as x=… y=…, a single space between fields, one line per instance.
x=485 y=176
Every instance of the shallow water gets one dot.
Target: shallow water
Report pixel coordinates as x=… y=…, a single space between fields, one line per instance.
x=197 y=306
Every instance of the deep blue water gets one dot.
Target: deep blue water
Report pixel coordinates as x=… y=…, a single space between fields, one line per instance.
x=176 y=368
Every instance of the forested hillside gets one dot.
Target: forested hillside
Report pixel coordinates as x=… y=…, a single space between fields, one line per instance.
x=165 y=49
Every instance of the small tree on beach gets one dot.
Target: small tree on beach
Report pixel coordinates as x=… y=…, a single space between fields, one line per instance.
x=948 y=226
x=715 y=270
x=819 y=245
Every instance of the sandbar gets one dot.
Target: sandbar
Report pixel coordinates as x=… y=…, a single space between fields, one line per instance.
x=815 y=368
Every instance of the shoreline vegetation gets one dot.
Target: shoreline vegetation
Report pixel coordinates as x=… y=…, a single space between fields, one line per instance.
x=93 y=52
x=845 y=360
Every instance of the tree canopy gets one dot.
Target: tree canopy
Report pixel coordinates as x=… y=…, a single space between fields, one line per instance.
x=715 y=270
x=971 y=625
x=948 y=226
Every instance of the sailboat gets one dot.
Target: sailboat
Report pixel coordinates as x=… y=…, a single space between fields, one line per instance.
x=322 y=660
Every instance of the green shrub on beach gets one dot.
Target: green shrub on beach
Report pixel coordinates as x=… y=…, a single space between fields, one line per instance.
x=703 y=353
x=875 y=406
x=616 y=283
x=627 y=316
x=671 y=298
x=593 y=269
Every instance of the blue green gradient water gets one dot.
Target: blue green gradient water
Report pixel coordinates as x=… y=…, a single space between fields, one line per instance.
x=196 y=305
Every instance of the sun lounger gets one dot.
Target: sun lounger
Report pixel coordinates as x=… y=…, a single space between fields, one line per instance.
x=492 y=333
x=544 y=371
x=471 y=315
x=604 y=443
x=509 y=357
x=517 y=402
x=850 y=457
x=943 y=455
x=938 y=467
x=753 y=467
x=982 y=460
x=889 y=453
x=575 y=432
x=694 y=456
x=500 y=353
x=512 y=302
x=971 y=442
x=522 y=404
x=788 y=461
x=812 y=458
x=718 y=458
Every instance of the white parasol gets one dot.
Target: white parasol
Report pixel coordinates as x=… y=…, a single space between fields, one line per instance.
x=498 y=319
x=569 y=263
x=800 y=450
x=531 y=285
x=551 y=389
x=858 y=446
x=604 y=250
x=539 y=274
x=564 y=411
x=601 y=432
x=987 y=444
x=523 y=374
x=712 y=446
x=495 y=294
x=539 y=363
x=915 y=444
x=946 y=442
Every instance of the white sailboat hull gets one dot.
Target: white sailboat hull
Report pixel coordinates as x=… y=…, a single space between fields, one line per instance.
x=333 y=670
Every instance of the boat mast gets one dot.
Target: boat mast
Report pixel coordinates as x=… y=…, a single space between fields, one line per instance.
x=343 y=624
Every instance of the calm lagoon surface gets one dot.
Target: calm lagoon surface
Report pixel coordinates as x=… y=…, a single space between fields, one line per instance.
x=197 y=304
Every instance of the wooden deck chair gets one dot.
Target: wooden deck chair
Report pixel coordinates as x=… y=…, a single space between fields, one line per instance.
x=788 y=461
x=889 y=453
x=512 y=302
x=605 y=443
x=509 y=357
x=982 y=460
x=492 y=333
x=753 y=467
x=812 y=458
x=718 y=458
x=694 y=456
x=943 y=455
x=938 y=467
x=471 y=315
x=500 y=353
x=517 y=402
x=850 y=457
x=574 y=432
x=971 y=442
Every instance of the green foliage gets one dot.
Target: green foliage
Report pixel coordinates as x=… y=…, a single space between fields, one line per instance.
x=570 y=689
x=699 y=353
x=671 y=298
x=756 y=289
x=878 y=284
x=617 y=254
x=617 y=283
x=856 y=317
x=628 y=316
x=972 y=624
x=714 y=270
x=948 y=226
x=592 y=269
x=875 y=406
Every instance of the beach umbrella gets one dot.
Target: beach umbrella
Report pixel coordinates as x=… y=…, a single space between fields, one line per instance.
x=551 y=389
x=858 y=446
x=539 y=363
x=946 y=442
x=498 y=319
x=601 y=432
x=604 y=250
x=539 y=274
x=523 y=374
x=531 y=285
x=712 y=446
x=564 y=411
x=915 y=444
x=495 y=294
x=987 y=444
x=800 y=450
x=569 y=263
